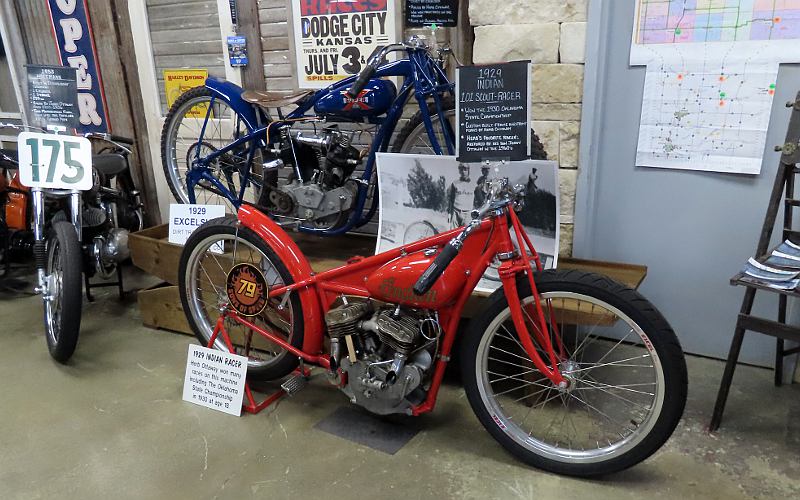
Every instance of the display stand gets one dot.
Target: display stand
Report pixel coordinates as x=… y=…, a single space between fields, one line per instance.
x=251 y=406
x=782 y=190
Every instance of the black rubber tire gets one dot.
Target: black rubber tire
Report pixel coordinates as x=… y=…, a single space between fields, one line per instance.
x=63 y=239
x=171 y=115
x=639 y=310
x=448 y=103
x=228 y=225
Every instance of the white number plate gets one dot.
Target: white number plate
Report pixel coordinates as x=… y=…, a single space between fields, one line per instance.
x=55 y=161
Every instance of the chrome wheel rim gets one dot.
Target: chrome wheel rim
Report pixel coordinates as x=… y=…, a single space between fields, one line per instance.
x=54 y=294
x=594 y=420
x=205 y=283
x=222 y=129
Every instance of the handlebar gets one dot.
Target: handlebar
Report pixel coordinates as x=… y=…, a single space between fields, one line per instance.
x=437 y=267
x=415 y=42
x=121 y=142
x=109 y=137
x=118 y=140
x=361 y=81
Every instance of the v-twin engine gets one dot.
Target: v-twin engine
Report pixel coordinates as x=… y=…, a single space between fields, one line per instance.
x=386 y=353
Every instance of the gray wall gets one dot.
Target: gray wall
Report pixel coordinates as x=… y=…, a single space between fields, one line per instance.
x=694 y=230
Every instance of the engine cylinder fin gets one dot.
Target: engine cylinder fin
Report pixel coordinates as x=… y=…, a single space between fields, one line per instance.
x=343 y=320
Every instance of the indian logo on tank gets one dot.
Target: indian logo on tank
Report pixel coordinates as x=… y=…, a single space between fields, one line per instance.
x=389 y=291
x=247 y=289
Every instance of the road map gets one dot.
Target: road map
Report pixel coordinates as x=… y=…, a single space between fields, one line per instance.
x=712 y=67
x=698 y=21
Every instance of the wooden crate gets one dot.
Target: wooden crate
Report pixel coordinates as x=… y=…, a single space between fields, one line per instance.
x=160 y=307
x=152 y=253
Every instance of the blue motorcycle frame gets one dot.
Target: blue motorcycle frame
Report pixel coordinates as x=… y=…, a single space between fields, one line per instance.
x=421 y=74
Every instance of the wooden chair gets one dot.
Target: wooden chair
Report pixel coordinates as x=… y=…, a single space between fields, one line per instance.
x=782 y=191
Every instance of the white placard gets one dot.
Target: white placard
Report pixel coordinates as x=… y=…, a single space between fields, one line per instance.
x=52 y=161
x=215 y=379
x=184 y=219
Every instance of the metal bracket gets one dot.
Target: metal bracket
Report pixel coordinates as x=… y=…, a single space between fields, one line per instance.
x=284 y=300
x=503 y=256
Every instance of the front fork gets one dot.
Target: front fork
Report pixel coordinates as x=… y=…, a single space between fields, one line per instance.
x=40 y=238
x=509 y=270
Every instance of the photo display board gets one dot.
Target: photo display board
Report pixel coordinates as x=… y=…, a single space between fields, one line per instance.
x=442 y=13
x=332 y=39
x=493 y=105
x=423 y=195
x=53 y=95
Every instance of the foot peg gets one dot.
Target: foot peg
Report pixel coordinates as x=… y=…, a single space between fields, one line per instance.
x=294 y=384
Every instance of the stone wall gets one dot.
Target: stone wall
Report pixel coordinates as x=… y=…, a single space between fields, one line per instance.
x=552 y=34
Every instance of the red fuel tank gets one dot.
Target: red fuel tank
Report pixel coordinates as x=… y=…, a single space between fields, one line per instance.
x=394 y=282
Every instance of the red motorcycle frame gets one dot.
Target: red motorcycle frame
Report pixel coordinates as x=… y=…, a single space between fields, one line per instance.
x=490 y=238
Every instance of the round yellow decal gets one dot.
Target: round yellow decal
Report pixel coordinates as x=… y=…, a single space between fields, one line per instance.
x=247 y=289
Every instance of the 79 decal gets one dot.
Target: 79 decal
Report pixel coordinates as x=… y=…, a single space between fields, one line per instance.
x=247 y=289
x=54 y=161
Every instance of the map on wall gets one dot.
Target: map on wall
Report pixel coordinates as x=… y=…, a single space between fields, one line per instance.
x=712 y=67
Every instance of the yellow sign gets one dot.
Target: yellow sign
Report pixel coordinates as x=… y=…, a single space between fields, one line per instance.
x=178 y=81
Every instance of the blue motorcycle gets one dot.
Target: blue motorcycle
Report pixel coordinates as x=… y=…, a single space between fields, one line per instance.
x=220 y=143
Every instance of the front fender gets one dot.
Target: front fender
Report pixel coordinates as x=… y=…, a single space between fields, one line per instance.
x=297 y=264
x=232 y=95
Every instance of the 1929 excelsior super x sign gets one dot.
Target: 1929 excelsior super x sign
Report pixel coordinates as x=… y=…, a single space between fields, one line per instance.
x=73 y=32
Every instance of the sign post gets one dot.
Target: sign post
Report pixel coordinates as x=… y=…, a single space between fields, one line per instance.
x=53 y=96
x=493 y=112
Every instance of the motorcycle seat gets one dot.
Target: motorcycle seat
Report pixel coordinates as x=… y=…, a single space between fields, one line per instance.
x=267 y=99
x=109 y=164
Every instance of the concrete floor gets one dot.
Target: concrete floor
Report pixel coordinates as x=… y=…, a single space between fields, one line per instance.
x=111 y=424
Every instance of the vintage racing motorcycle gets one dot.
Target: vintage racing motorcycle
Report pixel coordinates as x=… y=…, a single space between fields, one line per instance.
x=569 y=371
x=73 y=210
x=221 y=144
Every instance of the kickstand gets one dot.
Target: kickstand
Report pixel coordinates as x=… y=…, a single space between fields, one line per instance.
x=250 y=405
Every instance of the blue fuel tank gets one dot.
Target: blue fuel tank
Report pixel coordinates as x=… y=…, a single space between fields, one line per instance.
x=374 y=100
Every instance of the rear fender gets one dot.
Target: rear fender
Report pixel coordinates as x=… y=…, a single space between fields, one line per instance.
x=232 y=95
x=297 y=264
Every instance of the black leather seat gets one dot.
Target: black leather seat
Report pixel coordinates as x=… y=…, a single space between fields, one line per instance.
x=109 y=164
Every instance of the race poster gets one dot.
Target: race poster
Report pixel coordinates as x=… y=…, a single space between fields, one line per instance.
x=333 y=39
x=178 y=81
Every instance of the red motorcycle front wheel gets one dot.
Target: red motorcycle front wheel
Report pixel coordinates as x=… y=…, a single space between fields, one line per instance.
x=624 y=366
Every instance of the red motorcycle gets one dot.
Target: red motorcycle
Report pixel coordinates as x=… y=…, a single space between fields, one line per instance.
x=569 y=371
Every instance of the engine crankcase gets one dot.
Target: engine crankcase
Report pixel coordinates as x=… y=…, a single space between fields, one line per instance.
x=312 y=202
x=376 y=396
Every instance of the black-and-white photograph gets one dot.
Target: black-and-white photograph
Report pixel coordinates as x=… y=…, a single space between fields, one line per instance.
x=423 y=195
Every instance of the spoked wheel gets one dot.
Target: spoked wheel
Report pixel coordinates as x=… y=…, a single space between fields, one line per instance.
x=181 y=146
x=62 y=301
x=413 y=138
x=625 y=370
x=419 y=230
x=210 y=254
